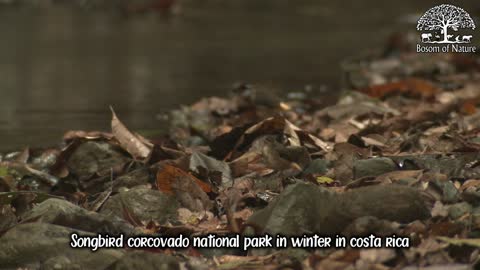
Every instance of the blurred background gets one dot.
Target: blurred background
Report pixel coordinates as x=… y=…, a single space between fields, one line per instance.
x=62 y=63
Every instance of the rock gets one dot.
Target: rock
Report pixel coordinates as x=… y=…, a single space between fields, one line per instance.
x=305 y=208
x=145 y=261
x=95 y=157
x=41 y=243
x=476 y=217
x=317 y=166
x=60 y=263
x=366 y=225
x=390 y=202
x=459 y=209
x=23 y=201
x=218 y=252
x=450 y=266
x=453 y=165
x=373 y=167
x=297 y=210
x=471 y=195
x=450 y=192
x=7 y=217
x=145 y=204
x=64 y=213
x=134 y=178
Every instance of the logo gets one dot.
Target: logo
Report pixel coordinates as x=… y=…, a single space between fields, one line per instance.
x=446 y=28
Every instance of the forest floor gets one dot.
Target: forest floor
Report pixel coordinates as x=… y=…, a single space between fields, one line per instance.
x=256 y=180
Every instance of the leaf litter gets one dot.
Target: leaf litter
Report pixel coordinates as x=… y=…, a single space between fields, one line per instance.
x=396 y=155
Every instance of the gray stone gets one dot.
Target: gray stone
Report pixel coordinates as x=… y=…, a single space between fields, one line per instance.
x=7 y=217
x=144 y=204
x=60 y=263
x=305 y=208
x=450 y=192
x=64 y=213
x=145 y=261
x=32 y=243
x=131 y=179
x=366 y=225
x=95 y=157
x=476 y=217
x=317 y=166
x=373 y=167
x=459 y=209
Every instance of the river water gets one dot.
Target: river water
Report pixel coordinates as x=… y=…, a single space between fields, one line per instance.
x=61 y=67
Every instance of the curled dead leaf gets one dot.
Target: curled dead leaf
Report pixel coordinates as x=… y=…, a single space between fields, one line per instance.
x=130 y=142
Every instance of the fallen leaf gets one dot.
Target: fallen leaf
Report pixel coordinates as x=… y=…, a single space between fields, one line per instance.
x=216 y=171
x=168 y=174
x=87 y=135
x=411 y=87
x=130 y=142
x=189 y=190
x=324 y=180
x=473 y=242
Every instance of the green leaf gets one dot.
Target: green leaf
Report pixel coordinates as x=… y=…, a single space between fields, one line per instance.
x=3 y=171
x=324 y=180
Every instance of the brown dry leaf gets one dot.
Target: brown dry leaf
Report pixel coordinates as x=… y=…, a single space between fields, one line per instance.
x=169 y=174
x=247 y=163
x=195 y=223
x=24 y=156
x=277 y=126
x=339 y=259
x=88 y=135
x=189 y=190
x=327 y=134
x=469 y=107
x=429 y=245
x=470 y=183
x=445 y=228
x=60 y=168
x=242 y=216
x=130 y=142
x=144 y=140
x=319 y=143
x=270 y=125
x=415 y=115
x=99 y=201
x=370 y=141
x=377 y=255
x=411 y=87
x=343 y=131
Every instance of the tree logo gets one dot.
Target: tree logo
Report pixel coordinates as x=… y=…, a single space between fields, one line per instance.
x=441 y=24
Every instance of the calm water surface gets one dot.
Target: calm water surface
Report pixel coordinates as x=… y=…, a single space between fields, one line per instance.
x=60 y=67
